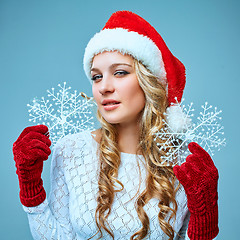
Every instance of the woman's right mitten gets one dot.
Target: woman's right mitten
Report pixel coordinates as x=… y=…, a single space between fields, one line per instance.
x=30 y=150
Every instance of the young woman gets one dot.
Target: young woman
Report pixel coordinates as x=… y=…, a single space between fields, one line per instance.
x=111 y=183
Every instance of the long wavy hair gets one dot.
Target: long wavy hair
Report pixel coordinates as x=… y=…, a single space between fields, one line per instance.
x=160 y=179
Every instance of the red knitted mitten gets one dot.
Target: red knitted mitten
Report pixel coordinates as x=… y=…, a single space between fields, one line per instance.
x=199 y=177
x=30 y=150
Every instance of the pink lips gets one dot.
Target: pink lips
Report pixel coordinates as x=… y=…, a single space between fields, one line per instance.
x=110 y=104
x=107 y=101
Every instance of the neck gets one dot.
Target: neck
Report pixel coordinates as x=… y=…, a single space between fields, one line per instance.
x=128 y=138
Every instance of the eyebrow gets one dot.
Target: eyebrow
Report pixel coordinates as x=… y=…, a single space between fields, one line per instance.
x=112 y=66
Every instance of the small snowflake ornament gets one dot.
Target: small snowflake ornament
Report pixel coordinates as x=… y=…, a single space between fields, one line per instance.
x=179 y=130
x=64 y=112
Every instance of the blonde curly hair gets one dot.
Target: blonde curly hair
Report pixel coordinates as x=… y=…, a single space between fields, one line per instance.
x=160 y=179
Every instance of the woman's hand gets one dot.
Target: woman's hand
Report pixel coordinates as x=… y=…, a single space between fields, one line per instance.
x=199 y=177
x=30 y=150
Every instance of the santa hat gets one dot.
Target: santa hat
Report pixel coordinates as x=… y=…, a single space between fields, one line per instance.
x=130 y=34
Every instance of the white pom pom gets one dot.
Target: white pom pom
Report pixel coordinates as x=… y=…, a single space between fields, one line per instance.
x=177 y=120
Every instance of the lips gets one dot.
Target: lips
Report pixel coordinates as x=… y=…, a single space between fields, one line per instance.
x=106 y=102
x=110 y=103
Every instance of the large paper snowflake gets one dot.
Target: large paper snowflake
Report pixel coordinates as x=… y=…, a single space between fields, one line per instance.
x=207 y=132
x=63 y=112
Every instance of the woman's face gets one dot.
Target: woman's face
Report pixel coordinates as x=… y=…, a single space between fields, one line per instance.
x=115 y=80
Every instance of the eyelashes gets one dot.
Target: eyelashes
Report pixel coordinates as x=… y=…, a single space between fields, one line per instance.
x=95 y=77
x=117 y=73
x=121 y=73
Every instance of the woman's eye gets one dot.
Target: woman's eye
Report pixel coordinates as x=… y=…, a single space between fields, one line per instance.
x=121 y=73
x=95 y=77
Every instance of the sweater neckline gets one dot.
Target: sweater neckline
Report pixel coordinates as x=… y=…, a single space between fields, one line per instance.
x=122 y=153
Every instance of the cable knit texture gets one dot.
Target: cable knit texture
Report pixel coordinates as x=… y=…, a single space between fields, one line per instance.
x=199 y=177
x=68 y=212
x=30 y=150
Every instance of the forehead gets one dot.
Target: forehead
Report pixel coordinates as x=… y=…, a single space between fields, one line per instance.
x=110 y=58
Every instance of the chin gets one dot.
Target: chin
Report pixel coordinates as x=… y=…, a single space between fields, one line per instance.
x=111 y=121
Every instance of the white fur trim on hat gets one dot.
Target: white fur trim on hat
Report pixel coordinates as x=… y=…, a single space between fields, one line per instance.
x=126 y=42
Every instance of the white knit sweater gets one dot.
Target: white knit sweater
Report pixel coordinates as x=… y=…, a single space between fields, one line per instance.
x=68 y=213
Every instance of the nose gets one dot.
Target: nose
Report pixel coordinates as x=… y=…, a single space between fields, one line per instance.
x=106 y=85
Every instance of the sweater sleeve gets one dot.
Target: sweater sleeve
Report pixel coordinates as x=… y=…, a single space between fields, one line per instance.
x=50 y=219
x=182 y=234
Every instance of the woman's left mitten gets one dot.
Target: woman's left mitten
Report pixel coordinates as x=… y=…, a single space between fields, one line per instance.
x=199 y=177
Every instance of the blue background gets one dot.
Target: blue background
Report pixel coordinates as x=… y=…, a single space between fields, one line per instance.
x=42 y=44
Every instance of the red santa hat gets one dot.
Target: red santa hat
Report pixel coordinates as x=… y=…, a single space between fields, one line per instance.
x=128 y=33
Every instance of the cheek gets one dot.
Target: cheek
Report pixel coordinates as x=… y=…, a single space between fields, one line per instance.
x=95 y=93
x=136 y=96
x=140 y=102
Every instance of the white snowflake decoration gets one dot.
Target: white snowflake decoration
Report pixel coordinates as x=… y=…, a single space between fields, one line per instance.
x=207 y=132
x=72 y=114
